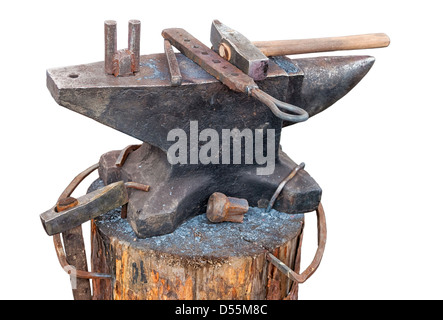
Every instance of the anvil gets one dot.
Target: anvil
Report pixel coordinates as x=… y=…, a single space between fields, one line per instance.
x=147 y=106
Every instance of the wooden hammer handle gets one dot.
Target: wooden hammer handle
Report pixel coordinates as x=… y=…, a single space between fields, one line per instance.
x=288 y=47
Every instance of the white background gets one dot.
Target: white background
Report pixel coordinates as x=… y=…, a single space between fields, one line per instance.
x=376 y=153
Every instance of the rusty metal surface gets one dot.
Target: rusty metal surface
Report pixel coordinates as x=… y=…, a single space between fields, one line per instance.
x=282 y=185
x=243 y=54
x=124 y=62
x=77 y=180
x=251 y=57
x=72 y=271
x=125 y=153
x=222 y=208
x=65 y=204
x=75 y=255
x=230 y=75
x=74 y=245
x=314 y=84
x=88 y=207
x=313 y=266
x=174 y=69
x=210 y=61
x=110 y=45
x=296 y=114
x=122 y=102
x=137 y=186
x=134 y=30
x=70 y=212
x=293 y=292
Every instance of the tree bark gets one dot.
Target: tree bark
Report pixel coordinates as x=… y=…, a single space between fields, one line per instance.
x=199 y=261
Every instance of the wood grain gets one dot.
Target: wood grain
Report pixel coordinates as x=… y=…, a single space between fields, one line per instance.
x=199 y=261
x=288 y=47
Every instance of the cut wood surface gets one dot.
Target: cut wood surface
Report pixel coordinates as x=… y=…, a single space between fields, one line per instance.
x=200 y=260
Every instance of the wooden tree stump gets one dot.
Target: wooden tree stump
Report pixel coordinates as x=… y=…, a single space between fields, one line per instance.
x=199 y=260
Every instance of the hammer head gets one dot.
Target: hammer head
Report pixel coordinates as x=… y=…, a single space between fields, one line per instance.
x=239 y=51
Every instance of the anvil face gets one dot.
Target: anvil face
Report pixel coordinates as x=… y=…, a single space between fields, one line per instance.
x=147 y=107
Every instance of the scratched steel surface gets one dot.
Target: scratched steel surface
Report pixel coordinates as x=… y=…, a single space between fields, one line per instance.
x=147 y=107
x=151 y=106
x=153 y=72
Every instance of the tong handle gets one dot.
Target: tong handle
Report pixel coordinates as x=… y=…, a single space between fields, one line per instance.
x=297 y=114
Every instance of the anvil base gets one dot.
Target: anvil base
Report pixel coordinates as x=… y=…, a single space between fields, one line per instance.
x=178 y=192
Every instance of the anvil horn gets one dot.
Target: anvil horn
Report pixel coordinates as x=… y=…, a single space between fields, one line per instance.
x=328 y=79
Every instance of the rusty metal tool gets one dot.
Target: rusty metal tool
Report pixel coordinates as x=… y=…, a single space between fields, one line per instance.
x=86 y=208
x=69 y=212
x=282 y=185
x=74 y=254
x=252 y=57
x=229 y=74
x=313 y=266
x=174 y=70
x=66 y=218
x=239 y=51
x=123 y=62
x=125 y=153
x=223 y=208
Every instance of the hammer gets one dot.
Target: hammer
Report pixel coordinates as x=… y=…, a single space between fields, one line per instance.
x=70 y=212
x=252 y=57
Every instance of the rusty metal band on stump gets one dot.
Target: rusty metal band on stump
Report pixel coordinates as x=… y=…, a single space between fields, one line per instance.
x=300 y=278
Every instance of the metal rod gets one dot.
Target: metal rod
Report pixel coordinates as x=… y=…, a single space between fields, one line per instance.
x=70 y=269
x=61 y=255
x=297 y=277
x=110 y=45
x=138 y=186
x=274 y=104
x=134 y=27
x=125 y=153
x=76 y=181
x=174 y=70
x=282 y=185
